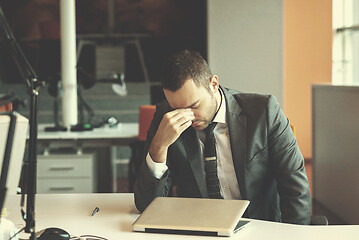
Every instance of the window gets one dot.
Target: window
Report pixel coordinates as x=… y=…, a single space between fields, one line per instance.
x=346 y=42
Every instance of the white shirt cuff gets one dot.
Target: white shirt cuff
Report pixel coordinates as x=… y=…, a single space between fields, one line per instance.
x=158 y=169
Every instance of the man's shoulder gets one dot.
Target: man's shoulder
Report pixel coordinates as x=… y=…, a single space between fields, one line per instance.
x=161 y=109
x=250 y=104
x=163 y=105
x=248 y=98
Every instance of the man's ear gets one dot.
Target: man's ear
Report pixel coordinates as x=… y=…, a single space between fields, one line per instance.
x=214 y=84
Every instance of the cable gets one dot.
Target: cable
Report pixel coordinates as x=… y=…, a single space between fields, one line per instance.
x=87 y=237
x=17 y=233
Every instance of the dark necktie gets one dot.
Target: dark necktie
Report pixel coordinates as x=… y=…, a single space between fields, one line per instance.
x=210 y=163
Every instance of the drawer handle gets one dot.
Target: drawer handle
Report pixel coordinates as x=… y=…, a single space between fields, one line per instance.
x=61 y=168
x=61 y=188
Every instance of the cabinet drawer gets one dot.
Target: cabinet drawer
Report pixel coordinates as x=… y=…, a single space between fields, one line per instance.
x=65 y=166
x=60 y=185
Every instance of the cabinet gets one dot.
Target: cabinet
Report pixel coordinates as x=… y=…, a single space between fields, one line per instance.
x=78 y=156
x=335 y=149
x=66 y=173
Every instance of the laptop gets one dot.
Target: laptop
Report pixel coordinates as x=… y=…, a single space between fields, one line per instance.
x=193 y=216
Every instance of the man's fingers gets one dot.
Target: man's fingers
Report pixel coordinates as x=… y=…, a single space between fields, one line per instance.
x=175 y=122
x=184 y=126
x=182 y=120
x=178 y=113
x=172 y=126
x=177 y=117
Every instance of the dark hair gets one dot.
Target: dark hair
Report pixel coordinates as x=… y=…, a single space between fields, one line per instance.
x=182 y=66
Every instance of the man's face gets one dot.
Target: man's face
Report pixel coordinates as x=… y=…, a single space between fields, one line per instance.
x=202 y=101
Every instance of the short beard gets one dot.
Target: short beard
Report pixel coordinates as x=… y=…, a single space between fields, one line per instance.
x=213 y=110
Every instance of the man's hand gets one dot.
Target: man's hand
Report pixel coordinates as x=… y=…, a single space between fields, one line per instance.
x=172 y=125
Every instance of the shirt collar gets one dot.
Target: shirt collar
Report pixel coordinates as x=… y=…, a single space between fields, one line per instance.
x=221 y=114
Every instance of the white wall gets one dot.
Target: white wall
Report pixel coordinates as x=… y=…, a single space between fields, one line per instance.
x=245 y=44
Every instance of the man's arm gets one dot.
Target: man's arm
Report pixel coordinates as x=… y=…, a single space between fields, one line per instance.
x=284 y=153
x=172 y=125
x=164 y=131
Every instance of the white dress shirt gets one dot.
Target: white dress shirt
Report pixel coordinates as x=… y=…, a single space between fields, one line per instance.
x=225 y=168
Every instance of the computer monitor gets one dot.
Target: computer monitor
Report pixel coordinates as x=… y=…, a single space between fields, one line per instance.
x=17 y=150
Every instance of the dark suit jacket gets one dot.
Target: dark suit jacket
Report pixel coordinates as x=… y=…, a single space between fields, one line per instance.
x=268 y=163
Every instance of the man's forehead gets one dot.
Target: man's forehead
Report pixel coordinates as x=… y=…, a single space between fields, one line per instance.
x=183 y=103
x=178 y=101
x=188 y=95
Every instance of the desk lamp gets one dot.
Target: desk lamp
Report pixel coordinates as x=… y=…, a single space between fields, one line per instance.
x=87 y=81
x=86 y=72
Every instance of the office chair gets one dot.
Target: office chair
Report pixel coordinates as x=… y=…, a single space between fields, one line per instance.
x=314 y=219
x=6 y=103
x=145 y=117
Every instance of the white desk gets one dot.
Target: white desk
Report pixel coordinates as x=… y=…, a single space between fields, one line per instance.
x=72 y=212
x=122 y=130
x=122 y=134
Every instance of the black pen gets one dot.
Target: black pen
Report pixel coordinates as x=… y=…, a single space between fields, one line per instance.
x=95 y=211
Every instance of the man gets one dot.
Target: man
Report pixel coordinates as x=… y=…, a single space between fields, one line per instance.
x=257 y=155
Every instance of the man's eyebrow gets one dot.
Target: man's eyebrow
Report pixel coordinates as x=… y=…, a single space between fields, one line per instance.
x=192 y=104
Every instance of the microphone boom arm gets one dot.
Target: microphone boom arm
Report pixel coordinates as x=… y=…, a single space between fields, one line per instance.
x=33 y=85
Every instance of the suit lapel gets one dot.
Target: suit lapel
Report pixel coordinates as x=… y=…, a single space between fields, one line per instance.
x=237 y=128
x=192 y=149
